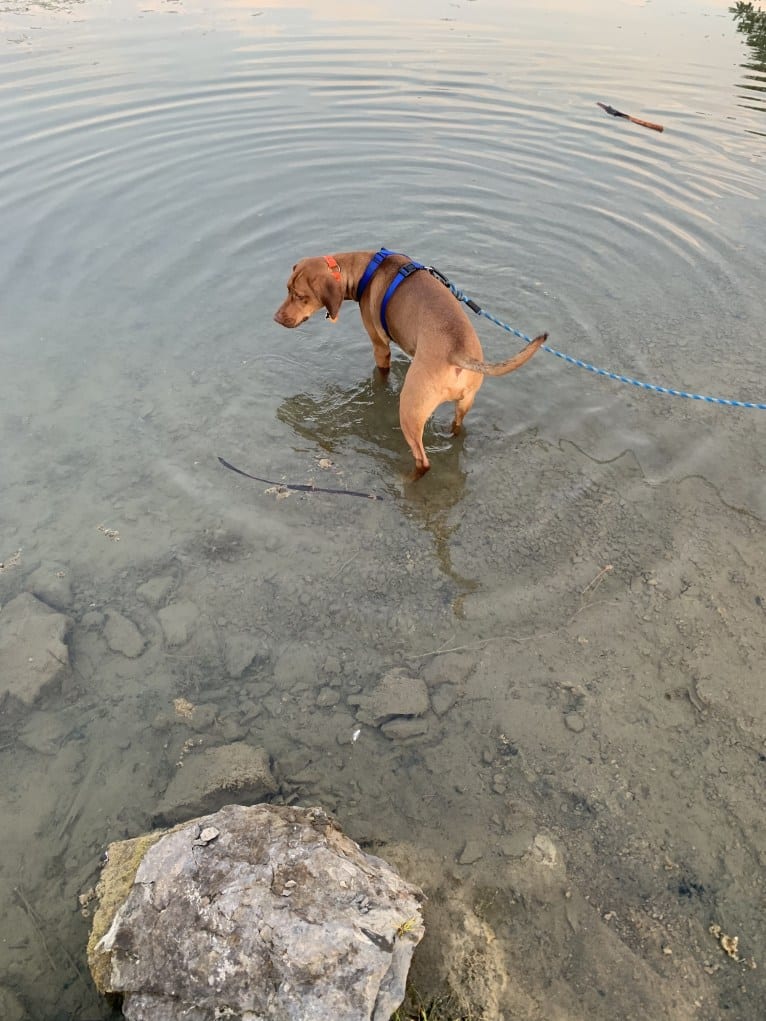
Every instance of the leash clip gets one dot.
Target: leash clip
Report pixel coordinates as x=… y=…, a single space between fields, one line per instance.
x=439 y=276
x=455 y=290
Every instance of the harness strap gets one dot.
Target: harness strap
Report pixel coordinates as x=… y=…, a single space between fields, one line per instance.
x=402 y=274
x=372 y=266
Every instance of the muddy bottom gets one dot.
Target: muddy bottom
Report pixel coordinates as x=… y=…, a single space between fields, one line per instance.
x=581 y=799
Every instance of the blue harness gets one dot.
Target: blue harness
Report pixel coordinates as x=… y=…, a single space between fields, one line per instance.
x=402 y=273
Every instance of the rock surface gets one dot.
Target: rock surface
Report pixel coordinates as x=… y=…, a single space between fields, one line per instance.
x=34 y=657
x=51 y=584
x=177 y=621
x=122 y=635
x=208 y=778
x=397 y=694
x=155 y=591
x=239 y=651
x=403 y=728
x=261 y=913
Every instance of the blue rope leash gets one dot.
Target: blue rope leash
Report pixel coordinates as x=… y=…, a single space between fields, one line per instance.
x=592 y=368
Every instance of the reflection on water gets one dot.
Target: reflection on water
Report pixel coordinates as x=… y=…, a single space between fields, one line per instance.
x=751 y=21
x=368 y=411
x=578 y=580
x=365 y=418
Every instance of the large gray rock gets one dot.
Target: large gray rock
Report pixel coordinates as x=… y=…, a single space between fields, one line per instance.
x=258 y=914
x=34 y=656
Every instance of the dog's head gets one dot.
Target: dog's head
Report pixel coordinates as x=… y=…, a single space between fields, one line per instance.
x=314 y=283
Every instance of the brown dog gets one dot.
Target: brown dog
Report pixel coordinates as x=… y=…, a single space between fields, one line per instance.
x=424 y=318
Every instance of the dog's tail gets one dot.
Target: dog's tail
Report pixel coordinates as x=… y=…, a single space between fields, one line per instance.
x=502 y=368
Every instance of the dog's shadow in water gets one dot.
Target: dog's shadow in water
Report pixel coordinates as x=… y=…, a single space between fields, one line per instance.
x=364 y=418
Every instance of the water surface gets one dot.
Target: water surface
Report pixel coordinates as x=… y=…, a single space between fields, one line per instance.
x=579 y=580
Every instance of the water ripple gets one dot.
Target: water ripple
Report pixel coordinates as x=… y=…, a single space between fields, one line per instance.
x=318 y=137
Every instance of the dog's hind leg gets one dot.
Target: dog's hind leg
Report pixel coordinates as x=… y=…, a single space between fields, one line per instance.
x=462 y=407
x=417 y=403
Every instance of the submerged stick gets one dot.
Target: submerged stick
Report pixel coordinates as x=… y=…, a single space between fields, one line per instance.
x=598 y=579
x=299 y=487
x=628 y=117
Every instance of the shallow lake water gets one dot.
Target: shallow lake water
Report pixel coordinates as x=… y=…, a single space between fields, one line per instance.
x=580 y=578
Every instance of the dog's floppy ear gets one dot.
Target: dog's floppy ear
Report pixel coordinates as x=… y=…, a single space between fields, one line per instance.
x=332 y=296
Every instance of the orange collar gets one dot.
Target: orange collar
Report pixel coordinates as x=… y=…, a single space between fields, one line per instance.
x=334 y=267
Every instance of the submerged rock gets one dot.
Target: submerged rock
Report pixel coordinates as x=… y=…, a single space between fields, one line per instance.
x=45 y=732
x=239 y=651
x=34 y=656
x=122 y=635
x=207 y=779
x=260 y=913
x=397 y=694
x=156 y=591
x=177 y=622
x=51 y=584
x=403 y=728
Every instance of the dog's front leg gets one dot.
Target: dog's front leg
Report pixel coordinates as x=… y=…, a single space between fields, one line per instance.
x=382 y=354
x=381 y=349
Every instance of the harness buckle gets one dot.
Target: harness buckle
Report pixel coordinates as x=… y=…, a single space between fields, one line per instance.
x=408 y=269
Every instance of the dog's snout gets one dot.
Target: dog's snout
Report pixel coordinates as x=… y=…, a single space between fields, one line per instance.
x=289 y=323
x=282 y=317
x=286 y=316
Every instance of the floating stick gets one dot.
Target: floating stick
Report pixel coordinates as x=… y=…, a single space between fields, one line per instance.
x=627 y=117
